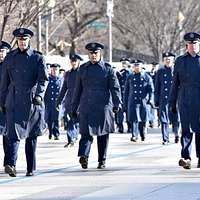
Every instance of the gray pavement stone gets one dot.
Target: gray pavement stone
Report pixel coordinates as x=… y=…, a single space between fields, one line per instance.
x=135 y=171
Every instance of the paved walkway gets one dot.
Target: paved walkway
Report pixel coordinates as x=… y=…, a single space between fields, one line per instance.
x=135 y=171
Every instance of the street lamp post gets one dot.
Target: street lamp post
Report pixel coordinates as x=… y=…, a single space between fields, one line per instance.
x=39 y=37
x=49 y=11
x=181 y=18
x=50 y=5
x=110 y=15
x=47 y=33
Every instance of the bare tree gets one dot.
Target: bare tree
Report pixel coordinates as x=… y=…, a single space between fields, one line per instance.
x=18 y=13
x=72 y=21
x=140 y=26
x=8 y=8
x=154 y=26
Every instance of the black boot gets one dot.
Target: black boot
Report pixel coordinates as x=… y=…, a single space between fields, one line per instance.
x=121 y=129
x=185 y=163
x=29 y=174
x=101 y=165
x=84 y=162
x=198 y=164
x=176 y=139
x=11 y=171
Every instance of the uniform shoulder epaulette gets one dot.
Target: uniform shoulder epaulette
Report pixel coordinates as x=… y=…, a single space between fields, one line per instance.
x=83 y=66
x=36 y=51
x=86 y=64
x=181 y=56
x=12 y=51
x=178 y=59
x=107 y=64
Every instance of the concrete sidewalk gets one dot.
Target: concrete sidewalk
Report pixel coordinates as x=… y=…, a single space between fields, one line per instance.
x=135 y=171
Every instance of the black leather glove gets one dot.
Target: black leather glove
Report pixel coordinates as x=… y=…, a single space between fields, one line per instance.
x=3 y=109
x=124 y=109
x=37 y=100
x=116 y=109
x=173 y=109
x=156 y=104
x=74 y=115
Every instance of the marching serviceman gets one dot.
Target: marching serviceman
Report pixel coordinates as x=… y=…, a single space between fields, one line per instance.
x=66 y=93
x=137 y=94
x=97 y=95
x=124 y=73
x=4 y=48
x=23 y=84
x=186 y=92
x=163 y=84
x=51 y=95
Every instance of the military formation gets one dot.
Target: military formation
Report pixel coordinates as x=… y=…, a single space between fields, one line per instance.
x=94 y=99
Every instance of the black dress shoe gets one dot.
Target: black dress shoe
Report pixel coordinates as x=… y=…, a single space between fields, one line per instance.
x=101 y=165
x=56 y=138
x=29 y=174
x=151 y=124
x=133 y=139
x=66 y=145
x=11 y=171
x=165 y=142
x=185 y=163
x=84 y=162
x=198 y=164
x=121 y=129
x=69 y=144
x=176 y=140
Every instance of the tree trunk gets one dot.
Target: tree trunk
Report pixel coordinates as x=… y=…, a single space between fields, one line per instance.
x=5 y=19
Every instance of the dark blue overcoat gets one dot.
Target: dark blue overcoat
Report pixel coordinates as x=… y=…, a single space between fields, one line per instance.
x=152 y=110
x=124 y=73
x=67 y=90
x=163 y=82
x=97 y=90
x=51 y=96
x=138 y=91
x=24 y=75
x=2 y=115
x=186 y=91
